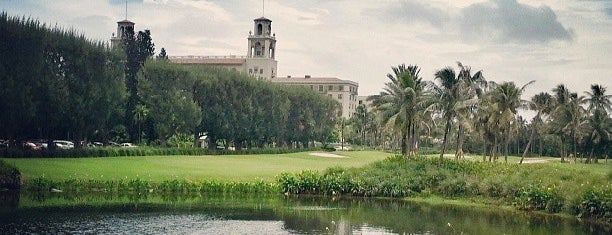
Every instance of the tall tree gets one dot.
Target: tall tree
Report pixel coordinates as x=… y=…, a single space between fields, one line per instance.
x=400 y=103
x=448 y=98
x=567 y=118
x=471 y=89
x=600 y=125
x=138 y=48
x=507 y=100
x=542 y=104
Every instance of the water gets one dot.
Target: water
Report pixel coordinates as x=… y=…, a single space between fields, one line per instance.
x=256 y=214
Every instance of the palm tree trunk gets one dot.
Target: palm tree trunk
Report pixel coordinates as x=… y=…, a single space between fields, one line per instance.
x=528 y=145
x=541 y=147
x=459 y=150
x=562 y=150
x=484 y=150
x=446 y=130
x=574 y=145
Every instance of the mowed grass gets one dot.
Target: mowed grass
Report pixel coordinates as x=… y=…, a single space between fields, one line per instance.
x=228 y=168
x=603 y=167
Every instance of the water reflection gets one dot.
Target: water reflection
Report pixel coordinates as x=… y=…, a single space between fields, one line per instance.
x=257 y=214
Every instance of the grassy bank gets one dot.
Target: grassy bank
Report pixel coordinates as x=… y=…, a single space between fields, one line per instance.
x=551 y=188
x=156 y=169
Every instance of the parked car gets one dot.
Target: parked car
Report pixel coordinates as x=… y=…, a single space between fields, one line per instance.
x=63 y=144
x=30 y=145
x=128 y=145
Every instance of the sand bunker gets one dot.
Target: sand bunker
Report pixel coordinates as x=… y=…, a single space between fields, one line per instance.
x=320 y=154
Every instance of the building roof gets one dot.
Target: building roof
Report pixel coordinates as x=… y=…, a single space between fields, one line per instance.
x=262 y=18
x=208 y=60
x=125 y=21
x=311 y=80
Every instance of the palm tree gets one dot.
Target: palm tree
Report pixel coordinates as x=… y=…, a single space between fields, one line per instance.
x=600 y=126
x=471 y=89
x=141 y=112
x=542 y=104
x=448 y=97
x=567 y=117
x=507 y=100
x=401 y=102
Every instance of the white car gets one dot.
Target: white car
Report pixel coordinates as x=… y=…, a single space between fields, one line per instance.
x=63 y=144
x=128 y=145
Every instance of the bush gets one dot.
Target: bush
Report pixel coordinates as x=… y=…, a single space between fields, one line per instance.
x=10 y=177
x=536 y=197
x=596 y=203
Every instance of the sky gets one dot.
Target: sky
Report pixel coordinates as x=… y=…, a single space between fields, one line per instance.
x=550 y=41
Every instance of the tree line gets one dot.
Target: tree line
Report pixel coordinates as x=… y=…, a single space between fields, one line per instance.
x=57 y=84
x=482 y=117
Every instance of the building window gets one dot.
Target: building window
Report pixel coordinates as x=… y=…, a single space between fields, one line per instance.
x=320 y=87
x=339 y=96
x=250 y=70
x=330 y=88
x=311 y=87
x=330 y=95
x=341 y=88
x=260 y=71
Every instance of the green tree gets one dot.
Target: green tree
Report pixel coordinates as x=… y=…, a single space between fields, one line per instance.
x=162 y=54
x=542 y=104
x=138 y=48
x=567 y=118
x=167 y=91
x=599 y=122
x=448 y=97
x=507 y=100
x=471 y=89
x=401 y=102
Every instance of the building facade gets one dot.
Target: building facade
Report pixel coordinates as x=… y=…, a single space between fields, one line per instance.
x=344 y=91
x=259 y=62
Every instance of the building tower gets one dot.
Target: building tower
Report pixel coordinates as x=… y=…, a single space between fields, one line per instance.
x=260 y=61
x=122 y=26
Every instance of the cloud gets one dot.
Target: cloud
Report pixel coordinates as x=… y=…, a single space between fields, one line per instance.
x=415 y=12
x=118 y=2
x=509 y=21
x=608 y=11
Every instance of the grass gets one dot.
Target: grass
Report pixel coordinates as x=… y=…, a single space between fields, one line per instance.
x=226 y=168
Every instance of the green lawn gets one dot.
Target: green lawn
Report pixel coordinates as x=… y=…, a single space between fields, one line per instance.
x=601 y=168
x=243 y=168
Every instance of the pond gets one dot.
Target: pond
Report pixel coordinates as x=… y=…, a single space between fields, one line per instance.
x=255 y=214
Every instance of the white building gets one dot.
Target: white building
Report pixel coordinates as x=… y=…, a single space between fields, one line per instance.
x=259 y=61
x=345 y=91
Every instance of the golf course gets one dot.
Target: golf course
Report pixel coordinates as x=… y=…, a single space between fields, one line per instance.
x=227 y=168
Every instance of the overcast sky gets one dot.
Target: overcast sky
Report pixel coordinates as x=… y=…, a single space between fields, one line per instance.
x=549 y=41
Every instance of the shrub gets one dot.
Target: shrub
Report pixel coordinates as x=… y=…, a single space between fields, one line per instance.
x=453 y=187
x=10 y=177
x=595 y=202
x=536 y=197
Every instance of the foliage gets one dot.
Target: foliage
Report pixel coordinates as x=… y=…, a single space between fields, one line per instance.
x=595 y=202
x=144 y=186
x=10 y=177
x=537 y=197
x=166 y=91
x=56 y=82
x=248 y=113
x=527 y=187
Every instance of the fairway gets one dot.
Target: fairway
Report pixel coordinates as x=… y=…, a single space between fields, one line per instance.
x=231 y=168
